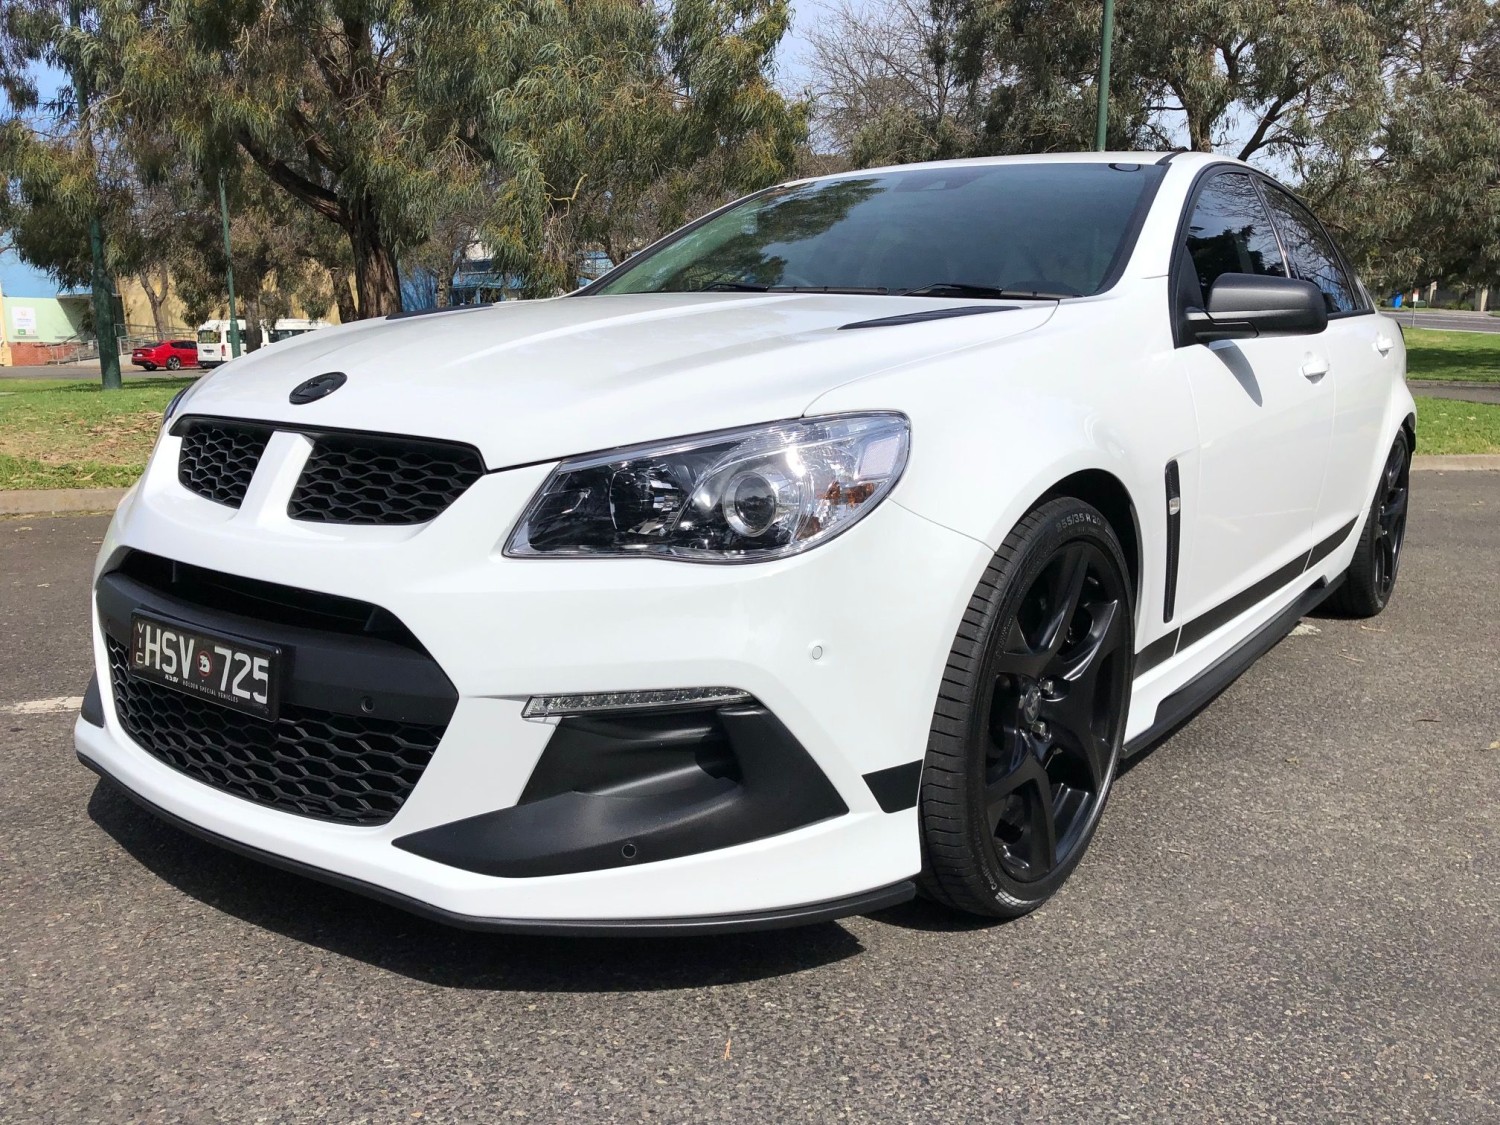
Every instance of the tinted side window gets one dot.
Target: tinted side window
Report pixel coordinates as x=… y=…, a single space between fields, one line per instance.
x=1313 y=257
x=1229 y=231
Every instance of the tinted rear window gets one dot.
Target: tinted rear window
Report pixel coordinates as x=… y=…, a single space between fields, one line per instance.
x=1313 y=256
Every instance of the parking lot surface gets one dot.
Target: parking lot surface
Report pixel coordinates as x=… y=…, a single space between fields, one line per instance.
x=1291 y=912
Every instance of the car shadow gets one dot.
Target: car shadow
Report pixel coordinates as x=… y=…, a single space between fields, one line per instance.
x=356 y=927
x=930 y=917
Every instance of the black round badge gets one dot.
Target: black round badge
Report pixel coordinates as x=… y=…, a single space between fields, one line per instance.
x=319 y=386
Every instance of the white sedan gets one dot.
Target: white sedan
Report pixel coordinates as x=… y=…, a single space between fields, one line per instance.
x=834 y=549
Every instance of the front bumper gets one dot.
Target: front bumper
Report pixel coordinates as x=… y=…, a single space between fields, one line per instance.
x=844 y=646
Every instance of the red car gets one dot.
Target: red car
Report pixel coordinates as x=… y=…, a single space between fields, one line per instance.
x=170 y=354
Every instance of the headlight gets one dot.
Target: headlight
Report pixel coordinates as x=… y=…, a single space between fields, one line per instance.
x=171 y=411
x=735 y=496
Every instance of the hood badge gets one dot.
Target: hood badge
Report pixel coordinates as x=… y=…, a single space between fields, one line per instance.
x=319 y=386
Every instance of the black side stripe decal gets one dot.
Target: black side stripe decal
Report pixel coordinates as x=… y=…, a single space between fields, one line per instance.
x=1163 y=648
x=1330 y=545
x=1179 y=640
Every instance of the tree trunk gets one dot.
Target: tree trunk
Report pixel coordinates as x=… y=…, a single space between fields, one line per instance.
x=343 y=296
x=250 y=338
x=376 y=283
x=156 y=300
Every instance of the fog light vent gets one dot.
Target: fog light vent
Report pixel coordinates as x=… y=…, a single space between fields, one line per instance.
x=590 y=703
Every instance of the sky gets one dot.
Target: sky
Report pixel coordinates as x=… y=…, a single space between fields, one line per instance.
x=17 y=279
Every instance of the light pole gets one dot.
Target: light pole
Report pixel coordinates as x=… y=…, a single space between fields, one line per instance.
x=1106 y=43
x=234 y=321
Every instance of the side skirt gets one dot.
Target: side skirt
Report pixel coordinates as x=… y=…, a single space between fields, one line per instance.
x=1197 y=693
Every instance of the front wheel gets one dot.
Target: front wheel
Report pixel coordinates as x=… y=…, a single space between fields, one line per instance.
x=1371 y=577
x=174 y=363
x=1028 y=727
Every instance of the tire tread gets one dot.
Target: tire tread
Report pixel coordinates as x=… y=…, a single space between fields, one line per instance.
x=952 y=874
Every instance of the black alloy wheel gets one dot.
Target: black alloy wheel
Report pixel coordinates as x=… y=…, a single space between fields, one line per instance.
x=1390 y=519
x=1028 y=731
x=1371 y=577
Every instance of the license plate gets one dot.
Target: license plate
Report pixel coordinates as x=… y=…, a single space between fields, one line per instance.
x=226 y=670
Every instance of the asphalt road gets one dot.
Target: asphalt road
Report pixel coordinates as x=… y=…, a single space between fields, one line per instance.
x=1290 y=913
x=89 y=372
x=1452 y=319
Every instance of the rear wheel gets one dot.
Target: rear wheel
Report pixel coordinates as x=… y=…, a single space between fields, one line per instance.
x=149 y=366
x=1371 y=577
x=1027 y=732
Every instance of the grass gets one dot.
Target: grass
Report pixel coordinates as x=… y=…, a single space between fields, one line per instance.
x=1447 y=426
x=1470 y=356
x=73 y=435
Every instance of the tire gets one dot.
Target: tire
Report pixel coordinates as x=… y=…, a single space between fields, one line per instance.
x=1033 y=699
x=173 y=363
x=149 y=366
x=1371 y=578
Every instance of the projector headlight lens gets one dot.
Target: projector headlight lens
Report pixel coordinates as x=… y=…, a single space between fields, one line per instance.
x=736 y=496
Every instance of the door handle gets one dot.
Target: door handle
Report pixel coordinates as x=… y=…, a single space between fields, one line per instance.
x=1384 y=344
x=1314 y=367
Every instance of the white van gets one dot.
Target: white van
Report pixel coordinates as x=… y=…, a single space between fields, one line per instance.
x=213 y=342
x=213 y=337
x=289 y=326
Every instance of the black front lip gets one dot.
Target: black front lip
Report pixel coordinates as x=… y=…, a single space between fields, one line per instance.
x=779 y=918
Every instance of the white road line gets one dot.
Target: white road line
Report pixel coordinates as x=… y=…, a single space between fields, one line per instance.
x=55 y=706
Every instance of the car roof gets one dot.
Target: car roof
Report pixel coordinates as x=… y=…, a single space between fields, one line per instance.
x=1175 y=157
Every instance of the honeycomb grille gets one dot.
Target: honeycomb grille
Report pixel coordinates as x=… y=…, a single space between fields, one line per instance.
x=344 y=768
x=372 y=480
x=218 y=459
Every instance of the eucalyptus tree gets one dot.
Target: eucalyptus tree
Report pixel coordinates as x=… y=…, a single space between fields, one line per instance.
x=1244 y=77
x=554 y=119
x=1420 y=199
x=56 y=173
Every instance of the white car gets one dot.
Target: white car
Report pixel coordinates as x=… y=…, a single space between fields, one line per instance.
x=837 y=546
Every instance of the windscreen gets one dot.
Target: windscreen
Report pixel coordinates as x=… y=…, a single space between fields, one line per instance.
x=1054 y=229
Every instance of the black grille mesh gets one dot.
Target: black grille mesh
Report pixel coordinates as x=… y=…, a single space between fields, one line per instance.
x=219 y=458
x=373 y=480
x=345 y=768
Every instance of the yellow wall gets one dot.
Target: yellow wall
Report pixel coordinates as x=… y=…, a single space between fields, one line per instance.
x=138 y=320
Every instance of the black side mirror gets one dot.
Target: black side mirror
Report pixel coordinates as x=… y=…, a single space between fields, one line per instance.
x=1242 y=306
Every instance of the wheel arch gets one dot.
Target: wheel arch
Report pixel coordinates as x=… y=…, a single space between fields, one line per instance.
x=1103 y=490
